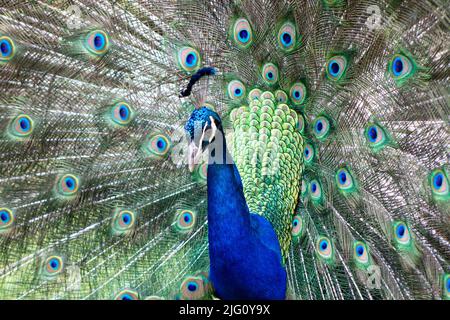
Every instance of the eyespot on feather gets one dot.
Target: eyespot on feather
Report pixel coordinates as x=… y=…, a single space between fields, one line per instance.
x=270 y=73
x=236 y=90
x=242 y=33
x=123 y=221
x=7 y=219
x=315 y=191
x=158 y=145
x=402 y=234
x=446 y=286
x=301 y=124
x=308 y=153
x=376 y=137
x=287 y=36
x=401 y=68
x=361 y=255
x=192 y=288
x=121 y=113
x=67 y=185
x=336 y=67
x=298 y=93
x=324 y=248
x=344 y=180
x=439 y=184
x=321 y=128
x=189 y=59
x=127 y=294
x=185 y=220
x=7 y=49
x=52 y=266
x=21 y=126
x=297 y=226
x=97 y=42
x=200 y=172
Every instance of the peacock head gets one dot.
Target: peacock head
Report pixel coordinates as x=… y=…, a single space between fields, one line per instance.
x=202 y=128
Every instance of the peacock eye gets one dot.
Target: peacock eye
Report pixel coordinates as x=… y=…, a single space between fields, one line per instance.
x=121 y=113
x=315 y=189
x=123 y=221
x=192 y=288
x=401 y=233
x=439 y=184
x=185 y=220
x=189 y=59
x=126 y=219
x=67 y=185
x=301 y=124
x=401 y=67
x=7 y=49
x=376 y=137
x=203 y=170
x=281 y=96
x=297 y=226
x=97 y=42
x=158 y=145
x=324 y=247
x=304 y=189
x=321 y=127
x=308 y=153
x=6 y=219
x=344 y=180
x=360 y=253
x=270 y=73
x=287 y=36
x=447 y=286
x=336 y=67
x=242 y=33
x=21 y=126
x=200 y=173
x=53 y=265
x=298 y=93
x=236 y=90
x=127 y=294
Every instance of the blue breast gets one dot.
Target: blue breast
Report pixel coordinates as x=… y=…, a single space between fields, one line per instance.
x=245 y=255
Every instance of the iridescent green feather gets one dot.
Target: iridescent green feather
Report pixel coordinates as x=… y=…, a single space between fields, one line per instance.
x=268 y=153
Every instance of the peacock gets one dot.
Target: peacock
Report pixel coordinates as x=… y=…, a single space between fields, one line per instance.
x=241 y=149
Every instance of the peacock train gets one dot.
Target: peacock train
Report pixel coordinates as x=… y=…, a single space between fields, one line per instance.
x=242 y=149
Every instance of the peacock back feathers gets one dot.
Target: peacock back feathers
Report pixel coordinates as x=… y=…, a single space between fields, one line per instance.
x=268 y=153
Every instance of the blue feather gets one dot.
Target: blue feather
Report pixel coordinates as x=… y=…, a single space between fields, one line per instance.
x=244 y=251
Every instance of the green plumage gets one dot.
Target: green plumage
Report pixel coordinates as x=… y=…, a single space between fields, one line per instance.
x=267 y=149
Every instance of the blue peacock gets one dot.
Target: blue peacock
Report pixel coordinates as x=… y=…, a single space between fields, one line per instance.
x=198 y=149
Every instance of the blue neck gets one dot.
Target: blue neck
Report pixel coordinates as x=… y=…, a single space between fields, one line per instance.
x=228 y=214
x=245 y=256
